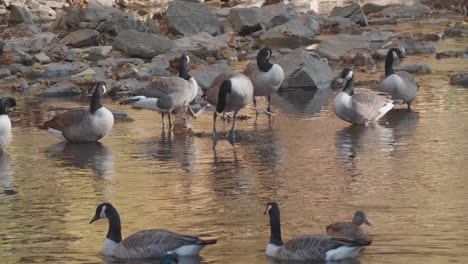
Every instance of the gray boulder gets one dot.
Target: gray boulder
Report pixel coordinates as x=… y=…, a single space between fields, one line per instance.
x=121 y=22
x=42 y=58
x=339 y=45
x=187 y=19
x=61 y=90
x=245 y=20
x=377 y=39
x=460 y=29
x=340 y=25
x=125 y=87
x=305 y=70
x=54 y=70
x=452 y=54
x=141 y=45
x=292 y=34
x=205 y=76
x=201 y=45
x=275 y=15
x=413 y=46
x=416 y=68
x=410 y=11
x=353 y=12
x=18 y=15
x=82 y=38
x=460 y=79
x=4 y=72
x=371 y=8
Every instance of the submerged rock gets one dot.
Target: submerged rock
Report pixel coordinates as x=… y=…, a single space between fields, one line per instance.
x=305 y=70
x=352 y=12
x=460 y=29
x=416 y=68
x=452 y=54
x=187 y=19
x=460 y=79
x=141 y=45
x=292 y=34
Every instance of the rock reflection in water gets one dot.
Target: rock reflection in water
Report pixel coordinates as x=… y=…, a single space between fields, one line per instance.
x=7 y=181
x=91 y=155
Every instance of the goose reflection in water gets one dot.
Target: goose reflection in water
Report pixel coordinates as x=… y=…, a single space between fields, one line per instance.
x=181 y=260
x=343 y=261
x=178 y=147
x=6 y=175
x=90 y=155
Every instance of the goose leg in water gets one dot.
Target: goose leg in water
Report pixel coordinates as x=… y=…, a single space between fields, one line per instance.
x=192 y=113
x=170 y=119
x=255 y=105
x=232 y=132
x=163 y=120
x=409 y=106
x=269 y=105
x=214 y=125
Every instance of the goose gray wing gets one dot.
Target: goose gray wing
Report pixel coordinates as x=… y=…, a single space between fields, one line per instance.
x=367 y=103
x=408 y=78
x=339 y=229
x=153 y=243
x=314 y=247
x=251 y=71
x=68 y=119
x=164 y=86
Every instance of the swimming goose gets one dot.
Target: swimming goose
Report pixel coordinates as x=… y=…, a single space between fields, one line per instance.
x=150 y=243
x=359 y=105
x=229 y=92
x=350 y=229
x=83 y=125
x=308 y=247
x=265 y=76
x=7 y=105
x=400 y=85
x=167 y=93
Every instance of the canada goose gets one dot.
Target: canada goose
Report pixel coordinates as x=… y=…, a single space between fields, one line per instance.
x=83 y=125
x=167 y=93
x=265 y=76
x=7 y=105
x=150 y=243
x=359 y=105
x=229 y=92
x=400 y=85
x=308 y=247
x=350 y=229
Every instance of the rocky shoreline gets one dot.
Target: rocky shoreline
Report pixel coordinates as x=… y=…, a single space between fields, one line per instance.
x=49 y=49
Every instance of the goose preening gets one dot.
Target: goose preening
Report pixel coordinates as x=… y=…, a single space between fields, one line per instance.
x=83 y=125
x=400 y=85
x=150 y=243
x=308 y=247
x=351 y=229
x=229 y=92
x=265 y=76
x=7 y=105
x=359 y=105
x=168 y=93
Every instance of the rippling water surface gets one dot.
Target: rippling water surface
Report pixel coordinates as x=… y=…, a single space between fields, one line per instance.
x=408 y=172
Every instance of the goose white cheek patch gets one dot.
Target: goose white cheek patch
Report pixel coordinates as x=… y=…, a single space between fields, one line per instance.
x=350 y=75
x=103 y=212
x=104 y=89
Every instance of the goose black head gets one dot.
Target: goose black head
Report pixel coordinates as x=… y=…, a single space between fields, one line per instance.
x=396 y=52
x=271 y=207
x=102 y=211
x=7 y=105
x=263 y=59
x=184 y=60
x=360 y=218
x=100 y=88
x=347 y=74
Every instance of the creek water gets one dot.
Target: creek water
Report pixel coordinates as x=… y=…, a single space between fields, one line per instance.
x=408 y=173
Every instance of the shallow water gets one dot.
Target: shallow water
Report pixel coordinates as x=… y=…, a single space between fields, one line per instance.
x=407 y=172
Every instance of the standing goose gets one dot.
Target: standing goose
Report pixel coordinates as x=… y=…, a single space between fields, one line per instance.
x=265 y=76
x=150 y=243
x=350 y=229
x=83 y=125
x=308 y=247
x=229 y=92
x=400 y=85
x=166 y=94
x=359 y=105
x=7 y=105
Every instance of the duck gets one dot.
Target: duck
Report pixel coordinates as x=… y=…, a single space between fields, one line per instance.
x=83 y=125
x=266 y=77
x=359 y=105
x=351 y=229
x=167 y=93
x=149 y=243
x=401 y=85
x=7 y=105
x=308 y=247
x=229 y=91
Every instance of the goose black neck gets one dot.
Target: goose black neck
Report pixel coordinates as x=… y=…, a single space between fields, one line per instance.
x=3 y=109
x=96 y=100
x=225 y=88
x=263 y=64
x=349 y=87
x=275 y=227
x=389 y=64
x=115 y=232
x=183 y=70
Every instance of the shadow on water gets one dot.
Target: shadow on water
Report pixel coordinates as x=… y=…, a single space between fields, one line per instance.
x=7 y=181
x=401 y=119
x=343 y=261
x=303 y=102
x=94 y=155
x=178 y=147
x=182 y=260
